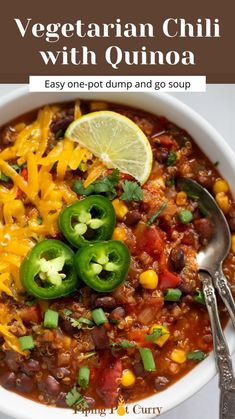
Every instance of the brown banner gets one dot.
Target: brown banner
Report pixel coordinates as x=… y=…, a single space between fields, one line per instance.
x=79 y=52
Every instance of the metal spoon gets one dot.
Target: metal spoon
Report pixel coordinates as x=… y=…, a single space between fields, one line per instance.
x=210 y=260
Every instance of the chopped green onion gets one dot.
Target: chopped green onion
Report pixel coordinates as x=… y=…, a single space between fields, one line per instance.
x=171 y=159
x=74 y=398
x=199 y=297
x=83 y=377
x=185 y=216
x=51 y=319
x=26 y=342
x=99 y=316
x=196 y=355
x=156 y=215
x=172 y=294
x=147 y=359
x=155 y=335
x=86 y=321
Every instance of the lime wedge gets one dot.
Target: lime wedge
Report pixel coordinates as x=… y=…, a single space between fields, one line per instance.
x=115 y=140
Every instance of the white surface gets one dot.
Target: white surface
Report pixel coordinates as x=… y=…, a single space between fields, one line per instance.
x=217 y=105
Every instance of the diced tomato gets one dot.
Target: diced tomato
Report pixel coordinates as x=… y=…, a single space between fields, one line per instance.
x=24 y=174
x=167 y=141
x=31 y=314
x=152 y=241
x=109 y=383
x=168 y=280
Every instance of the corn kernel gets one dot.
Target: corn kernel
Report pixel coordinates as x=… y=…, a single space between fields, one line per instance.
x=119 y=234
x=220 y=186
x=128 y=378
x=181 y=198
x=223 y=201
x=178 y=356
x=149 y=279
x=233 y=243
x=165 y=334
x=120 y=208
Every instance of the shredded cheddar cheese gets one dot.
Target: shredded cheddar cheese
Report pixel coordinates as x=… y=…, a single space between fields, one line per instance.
x=39 y=191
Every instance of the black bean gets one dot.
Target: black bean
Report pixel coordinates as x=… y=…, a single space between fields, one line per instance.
x=30 y=367
x=161 y=155
x=205 y=180
x=50 y=386
x=204 y=229
x=67 y=327
x=106 y=302
x=139 y=369
x=185 y=286
x=8 y=380
x=61 y=401
x=24 y=383
x=160 y=383
x=8 y=136
x=100 y=337
x=132 y=217
x=177 y=258
x=117 y=314
x=62 y=123
x=13 y=361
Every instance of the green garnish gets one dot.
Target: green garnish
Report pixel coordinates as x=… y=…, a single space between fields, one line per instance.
x=171 y=159
x=131 y=191
x=4 y=178
x=199 y=297
x=156 y=215
x=39 y=220
x=203 y=209
x=74 y=398
x=88 y=355
x=99 y=316
x=84 y=377
x=147 y=359
x=51 y=319
x=26 y=342
x=104 y=186
x=157 y=333
x=196 y=355
x=67 y=312
x=85 y=321
x=125 y=344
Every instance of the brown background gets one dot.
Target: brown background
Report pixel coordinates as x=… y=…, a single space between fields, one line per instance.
x=20 y=58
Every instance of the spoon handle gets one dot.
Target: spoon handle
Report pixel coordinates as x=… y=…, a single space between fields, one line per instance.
x=221 y=283
x=221 y=351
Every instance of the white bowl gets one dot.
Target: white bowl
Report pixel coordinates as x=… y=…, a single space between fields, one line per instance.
x=20 y=102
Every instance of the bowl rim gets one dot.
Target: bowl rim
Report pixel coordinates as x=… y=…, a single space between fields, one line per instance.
x=192 y=382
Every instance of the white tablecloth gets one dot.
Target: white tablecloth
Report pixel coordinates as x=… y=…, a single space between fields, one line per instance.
x=217 y=105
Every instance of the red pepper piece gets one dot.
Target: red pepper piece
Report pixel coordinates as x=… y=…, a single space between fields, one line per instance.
x=168 y=280
x=109 y=384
